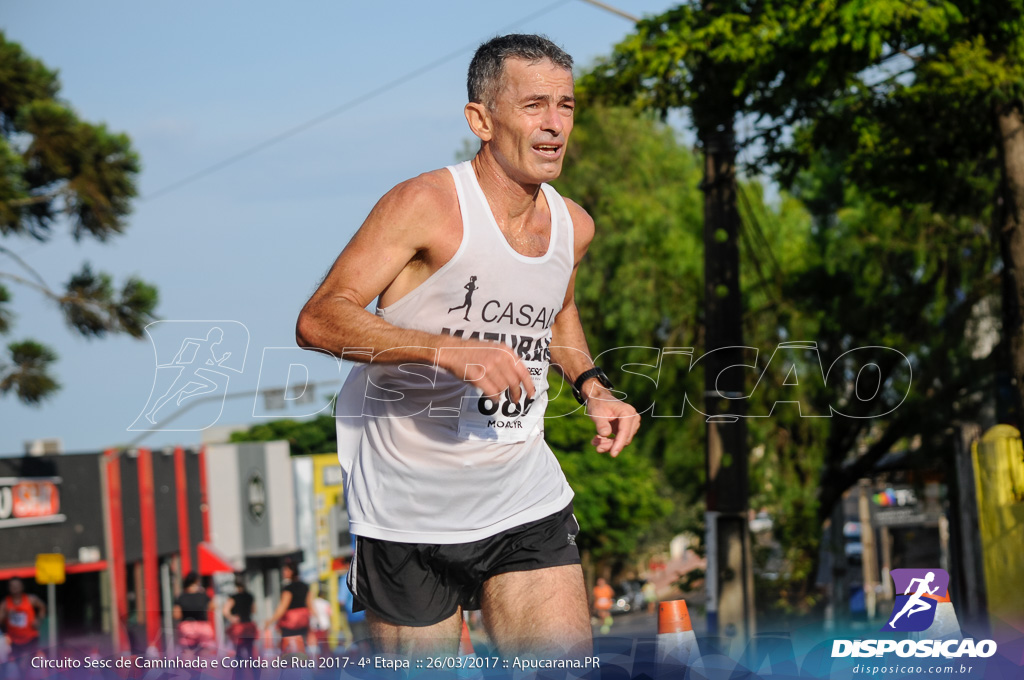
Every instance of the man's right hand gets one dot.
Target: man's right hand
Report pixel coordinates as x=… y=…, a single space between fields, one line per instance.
x=491 y=366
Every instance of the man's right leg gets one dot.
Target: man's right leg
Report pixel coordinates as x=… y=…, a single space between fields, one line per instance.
x=411 y=608
x=416 y=641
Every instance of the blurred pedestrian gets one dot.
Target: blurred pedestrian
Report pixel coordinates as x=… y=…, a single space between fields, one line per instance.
x=650 y=592
x=191 y=612
x=20 y=613
x=294 y=609
x=604 y=597
x=238 y=610
x=19 y=617
x=320 y=621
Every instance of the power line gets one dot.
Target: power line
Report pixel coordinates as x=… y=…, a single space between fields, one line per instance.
x=352 y=103
x=614 y=10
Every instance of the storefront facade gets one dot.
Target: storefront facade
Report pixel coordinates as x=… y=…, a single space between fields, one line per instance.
x=131 y=524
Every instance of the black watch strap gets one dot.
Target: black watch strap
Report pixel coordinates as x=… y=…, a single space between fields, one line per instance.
x=595 y=372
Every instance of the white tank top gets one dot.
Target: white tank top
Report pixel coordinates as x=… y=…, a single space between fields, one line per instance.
x=426 y=458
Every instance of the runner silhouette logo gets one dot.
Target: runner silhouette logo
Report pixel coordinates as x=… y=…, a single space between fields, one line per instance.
x=917 y=594
x=194 y=363
x=467 y=304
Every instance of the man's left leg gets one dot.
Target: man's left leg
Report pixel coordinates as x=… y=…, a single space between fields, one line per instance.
x=542 y=612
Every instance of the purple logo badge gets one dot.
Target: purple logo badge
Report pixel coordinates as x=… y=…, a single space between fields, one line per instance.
x=917 y=593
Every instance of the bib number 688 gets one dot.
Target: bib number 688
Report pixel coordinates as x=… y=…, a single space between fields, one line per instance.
x=508 y=407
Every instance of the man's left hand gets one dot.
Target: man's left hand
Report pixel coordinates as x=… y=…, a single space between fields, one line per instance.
x=616 y=421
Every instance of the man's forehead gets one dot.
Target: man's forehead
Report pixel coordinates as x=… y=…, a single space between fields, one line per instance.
x=525 y=72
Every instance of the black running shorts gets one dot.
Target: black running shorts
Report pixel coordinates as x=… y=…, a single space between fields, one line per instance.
x=420 y=584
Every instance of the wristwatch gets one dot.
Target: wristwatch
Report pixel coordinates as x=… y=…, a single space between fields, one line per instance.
x=595 y=372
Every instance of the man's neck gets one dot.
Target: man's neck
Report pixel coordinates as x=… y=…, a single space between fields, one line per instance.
x=509 y=200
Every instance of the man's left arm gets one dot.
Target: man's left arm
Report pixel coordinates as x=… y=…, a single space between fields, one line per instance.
x=40 y=608
x=615 y=420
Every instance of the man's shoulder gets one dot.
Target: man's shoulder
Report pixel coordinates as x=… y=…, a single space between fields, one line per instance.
x=582 y=224
x=580 y=217
x=433 y=190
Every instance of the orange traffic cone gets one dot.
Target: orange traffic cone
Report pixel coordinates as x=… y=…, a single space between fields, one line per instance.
x=470 y=671
x=465 y=644
x=676 y=645
x=945 y=626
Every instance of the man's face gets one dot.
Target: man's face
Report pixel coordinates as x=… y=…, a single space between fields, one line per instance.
x=532 y=116
x=15 y=587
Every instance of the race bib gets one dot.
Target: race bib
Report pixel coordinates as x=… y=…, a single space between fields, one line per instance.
x=18 y=619
x=501 y=419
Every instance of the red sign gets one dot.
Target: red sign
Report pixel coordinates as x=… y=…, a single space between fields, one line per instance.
x=29 y=501
x=36 y=499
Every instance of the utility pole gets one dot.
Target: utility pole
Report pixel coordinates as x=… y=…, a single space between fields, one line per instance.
x=730 y=569
x=730 y=579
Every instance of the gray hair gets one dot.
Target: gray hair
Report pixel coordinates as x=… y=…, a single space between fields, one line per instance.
x=488 y=66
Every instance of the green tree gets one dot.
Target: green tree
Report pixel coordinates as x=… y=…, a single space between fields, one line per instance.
x=889 y=104
x=621 y=503
x=640 y=290
x=56 y=169
x=304 y=437
x=945 y=128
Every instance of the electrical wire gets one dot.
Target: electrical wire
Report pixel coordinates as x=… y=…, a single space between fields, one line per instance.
x=350 y=104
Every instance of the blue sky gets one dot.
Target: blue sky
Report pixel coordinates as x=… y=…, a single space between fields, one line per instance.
x=194 y=83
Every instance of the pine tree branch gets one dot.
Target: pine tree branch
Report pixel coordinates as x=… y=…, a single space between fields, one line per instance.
x=24 y=265
x=42 y=288
x=36 y=200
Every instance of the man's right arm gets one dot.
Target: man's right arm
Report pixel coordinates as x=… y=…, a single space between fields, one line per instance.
x=403 y=240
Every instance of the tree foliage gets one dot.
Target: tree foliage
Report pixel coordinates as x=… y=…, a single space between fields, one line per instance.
x=639 y=288
x=640 y=291
x=304 y=437
x=56 y=168
x=915 y=103
x=621 y=503
x=879 y=115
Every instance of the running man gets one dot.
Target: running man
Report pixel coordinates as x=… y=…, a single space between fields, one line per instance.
x=203 y=384
x=20 y=614
x=915 y=604
x=456 y=500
